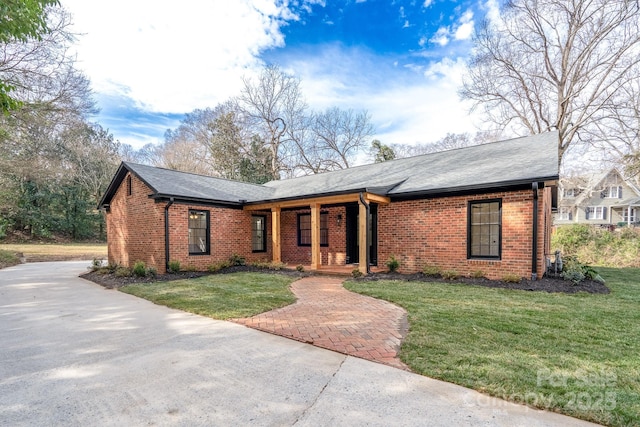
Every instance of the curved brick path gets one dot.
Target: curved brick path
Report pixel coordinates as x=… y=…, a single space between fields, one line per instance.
x=327 y=315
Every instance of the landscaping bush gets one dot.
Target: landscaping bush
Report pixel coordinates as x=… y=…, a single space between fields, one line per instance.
x=393 y=264
x=356 y=273
x=430 y=270
x=300 y=268
x=511 y=278
x=591 y=246
x=236 y=259
x=139 y=269
x=478 y=274
x=450 y=275
x=174 y=266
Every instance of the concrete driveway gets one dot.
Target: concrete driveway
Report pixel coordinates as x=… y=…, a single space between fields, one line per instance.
x=73 y=353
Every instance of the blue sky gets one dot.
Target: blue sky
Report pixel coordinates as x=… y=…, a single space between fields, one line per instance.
x=150 y=62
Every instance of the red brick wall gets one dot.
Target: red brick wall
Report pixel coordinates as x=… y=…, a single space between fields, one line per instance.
x=230 y=233
x=334 y=254
x=434 y=232
x=135 y=227
x=135 y=231
x=418 y=233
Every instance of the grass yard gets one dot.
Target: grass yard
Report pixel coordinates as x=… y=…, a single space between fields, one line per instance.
x=8 y=258
x=35 y=252
x=575 y=354
x=220 y=296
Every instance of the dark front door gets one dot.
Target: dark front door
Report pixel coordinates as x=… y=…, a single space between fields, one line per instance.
x=353 y=253
x=352 y=234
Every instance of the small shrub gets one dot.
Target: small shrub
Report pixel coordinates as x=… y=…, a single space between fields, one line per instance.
x=511 y=278
x=392 y=264
x=152 y=272
x=96 y=264
x=123 y=272
x=236 y=259
x=104 y=270
x=214 y=268
x=190 y=268
x=174 y=266
x=356 y=273
x=576 y=276
x=430 y=270
x=300 y=268
x=139 y=269
x=478 y=274
x=276 y=266
x=450 y=275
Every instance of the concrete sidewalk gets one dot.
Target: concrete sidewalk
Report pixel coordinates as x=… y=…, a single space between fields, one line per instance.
x=73 y=353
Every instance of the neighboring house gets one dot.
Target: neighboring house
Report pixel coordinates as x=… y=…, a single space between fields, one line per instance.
x=606 y=199
x=482 y=208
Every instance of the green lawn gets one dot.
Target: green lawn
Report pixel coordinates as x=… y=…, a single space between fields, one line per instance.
x=8 y=258
x=57 y=251
x=220 y=296
x=576 y=354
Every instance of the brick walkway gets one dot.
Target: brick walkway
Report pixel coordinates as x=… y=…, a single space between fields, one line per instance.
x=327 y=315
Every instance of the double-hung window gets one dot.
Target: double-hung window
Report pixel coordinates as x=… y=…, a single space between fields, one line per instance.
x=626 y=217
x=199 y=233
x=304 y=229
x=565 y=214
x=596 y=212
x=258 y=233
x=484 y=229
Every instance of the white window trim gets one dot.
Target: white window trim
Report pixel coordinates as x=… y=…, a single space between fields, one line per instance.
x=564 y=213
x=625 y=213
x=612 y=192
x=596 y=212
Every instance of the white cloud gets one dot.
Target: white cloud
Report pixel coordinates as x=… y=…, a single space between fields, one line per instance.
x=441 y=37
x=427 y=3
x=465 y=29
x=412 y=104
x=171 y=58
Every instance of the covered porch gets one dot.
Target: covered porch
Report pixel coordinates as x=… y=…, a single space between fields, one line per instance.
x=363 y=200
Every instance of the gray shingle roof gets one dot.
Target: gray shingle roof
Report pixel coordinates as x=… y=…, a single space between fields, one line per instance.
x=520 y=160
x=512 y=162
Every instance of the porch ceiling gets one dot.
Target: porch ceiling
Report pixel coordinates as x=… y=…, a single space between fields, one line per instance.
x=323 y=200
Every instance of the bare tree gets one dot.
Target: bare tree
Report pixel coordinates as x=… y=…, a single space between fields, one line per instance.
x=271 y=104
x=450 y=142
x=554 y=64
x=339 y=135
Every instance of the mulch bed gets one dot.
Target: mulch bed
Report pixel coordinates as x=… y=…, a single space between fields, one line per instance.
x=546 y=284
x=111 y=281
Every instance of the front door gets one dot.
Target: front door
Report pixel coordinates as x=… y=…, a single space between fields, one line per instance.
x=351 y=222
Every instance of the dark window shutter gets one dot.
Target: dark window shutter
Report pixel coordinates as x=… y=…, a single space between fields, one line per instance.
x=604 y=212
x=620 y=192
x=570 y=216
x=586 y=213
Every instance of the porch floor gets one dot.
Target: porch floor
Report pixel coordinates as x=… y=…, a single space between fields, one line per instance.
x=338 y=270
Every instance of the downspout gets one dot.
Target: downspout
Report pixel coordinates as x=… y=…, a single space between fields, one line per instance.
x=166 y=234
x=366 y=205
x=534 y=245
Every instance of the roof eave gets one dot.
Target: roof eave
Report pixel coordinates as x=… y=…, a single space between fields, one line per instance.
x=440 y=192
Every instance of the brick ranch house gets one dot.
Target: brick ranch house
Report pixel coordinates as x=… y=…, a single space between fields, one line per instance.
x=482 y=208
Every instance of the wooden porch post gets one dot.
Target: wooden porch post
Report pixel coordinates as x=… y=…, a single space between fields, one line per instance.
x=363 y=247
x=275 y=235
x=316 y=257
